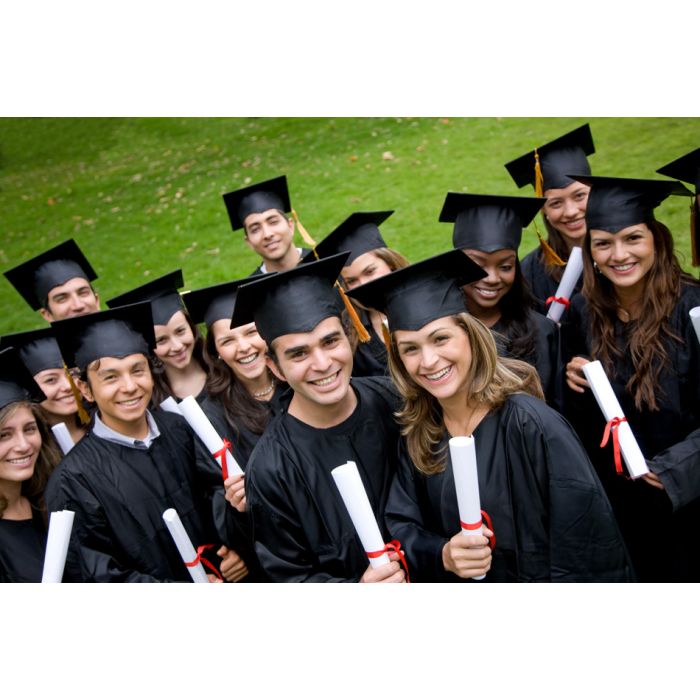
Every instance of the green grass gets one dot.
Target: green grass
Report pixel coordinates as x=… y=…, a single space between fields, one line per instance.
x=143 y=196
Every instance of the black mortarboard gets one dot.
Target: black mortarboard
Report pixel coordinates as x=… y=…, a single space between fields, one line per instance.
x=488 y=222
x=16 y=383
x=418 y=294
x=119 y=332
x=685 y=168
x=214 y=303
x=359 y=234
x=615 y=203
x=162 y=293
x=255 y=199
x=566 y=154
x=38 y=349
x=294 y=301
x=35 y=278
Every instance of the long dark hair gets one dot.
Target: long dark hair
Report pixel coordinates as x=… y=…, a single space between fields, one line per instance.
x=516 y=307
x=559 y=246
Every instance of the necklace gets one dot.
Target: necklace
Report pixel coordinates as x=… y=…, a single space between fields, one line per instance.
x=264 y=392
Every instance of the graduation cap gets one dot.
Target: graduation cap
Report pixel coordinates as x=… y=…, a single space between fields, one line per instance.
x=488 y=222
x=294 y=301
x=120 y=332
x=615 y=203
x=420 y=293
x=37 y=349
x=162 y=293
x=547 y=167
x=359 y=234
x=16 y=383
x=255 y=199
x=35 y=278
x=211 y=304
x=685 y=168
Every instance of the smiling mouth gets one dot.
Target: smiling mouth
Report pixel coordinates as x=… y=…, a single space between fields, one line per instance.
x=130 y=403
x=249 y=358
x=436 y=376
x=487 y=293
x=623 y=268
x=21 y=461
x=326 y=381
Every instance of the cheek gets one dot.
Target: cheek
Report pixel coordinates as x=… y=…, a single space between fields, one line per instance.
x=161 y=350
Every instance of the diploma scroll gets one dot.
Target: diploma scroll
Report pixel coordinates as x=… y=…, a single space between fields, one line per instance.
x=201 y=425
x=171 y=406
x=571 y=275
x=353 y=493
x=695 y=318
x=184 y=545
x=611 y=409
x=60 y=527
x=63 y=438
x=466 y=476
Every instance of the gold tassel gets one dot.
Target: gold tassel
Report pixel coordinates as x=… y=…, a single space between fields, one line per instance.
x=387 y=335
x=549 y=254
x=82 y=413
x=307 y=239
x=362 y=334
x=539 y=180
x=693 y=228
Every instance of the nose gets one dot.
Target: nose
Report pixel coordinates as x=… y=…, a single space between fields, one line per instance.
x=571 y=209
x=320 y=361
x=128 y=385
x=77 y=304
x=22 y=445
x=428 y=356
x=177 y=345
x=619 y=251
x=491 y=276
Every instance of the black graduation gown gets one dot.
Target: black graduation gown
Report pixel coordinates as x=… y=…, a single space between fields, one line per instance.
x=541 y=284
x=370 y=359
x=301 y=527
x=22 y=549
x=663 y=542
x=550 y=515
x=546 y=358
x=119 y=495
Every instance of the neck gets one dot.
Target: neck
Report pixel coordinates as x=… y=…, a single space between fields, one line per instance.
x=189 y=380
x=71 y=421
x=290 y=259
x=323 y=415
x=18 y=507
x=262 y=383
x=631 y=299
x=571 y=242
x=462 y=416
x=489 y=317
x=137 y=429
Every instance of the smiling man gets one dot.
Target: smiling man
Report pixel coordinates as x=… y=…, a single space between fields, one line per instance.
x=131 y=466
x=301 y=528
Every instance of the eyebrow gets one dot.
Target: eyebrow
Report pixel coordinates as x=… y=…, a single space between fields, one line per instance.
x=413 y=342
x=297 y=348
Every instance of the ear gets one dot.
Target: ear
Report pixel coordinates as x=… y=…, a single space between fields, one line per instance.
x=84 y=388
x=273 y=367
x=46 y=315
x=97 y=298
x=290 y=221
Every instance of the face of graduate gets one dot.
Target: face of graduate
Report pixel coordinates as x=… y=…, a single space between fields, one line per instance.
x=269 y=234
x=437 y=357
x=565 y=209
x=121 y=388
x=624 y=257
x=59 y=396
x=175 y=342
x=74 y=298
x=486 y=294
x=241 y=348
x=364 y=268
x=20 y=442
x=317 y=365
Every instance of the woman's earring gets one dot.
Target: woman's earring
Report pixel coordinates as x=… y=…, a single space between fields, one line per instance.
x=596 y=268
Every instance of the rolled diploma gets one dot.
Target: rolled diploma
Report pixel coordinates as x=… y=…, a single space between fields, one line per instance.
x=353 y=493
x=63 y=438
x=571 y=275
x=184 y=545
x=60 y=527
x=463 y=456
x=171 y=406
x=201 y=425
x=695 y=318
x=610 y=406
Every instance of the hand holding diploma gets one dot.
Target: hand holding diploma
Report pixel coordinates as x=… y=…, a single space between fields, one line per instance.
x=60 y=528
x=572 y=272
x=235 y=492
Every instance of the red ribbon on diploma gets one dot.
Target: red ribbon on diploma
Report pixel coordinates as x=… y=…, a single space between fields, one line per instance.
x=476 y=526
x=222 y=453
x=393 y=546
x=200 y=559
x=611 y=427
x=561 y=300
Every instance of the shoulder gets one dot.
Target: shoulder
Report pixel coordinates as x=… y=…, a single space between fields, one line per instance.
x=377 y=391
x=528 y=411
x=531 y=260
x=543 y=324
x=172 y=425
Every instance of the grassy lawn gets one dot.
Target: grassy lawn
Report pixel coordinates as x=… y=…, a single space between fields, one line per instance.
x=143 y=196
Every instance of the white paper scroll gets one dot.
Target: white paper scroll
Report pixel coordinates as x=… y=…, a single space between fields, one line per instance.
x=63 y=438
x=463 y=456
x=184 y=545
x=571 y=275
x=171 y=406
x=695 y=318
x=353 y=493
x=610 y=407
x=201 y=425
x=60 y=527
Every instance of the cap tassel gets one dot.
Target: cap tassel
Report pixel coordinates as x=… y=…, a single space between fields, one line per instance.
x=550 y=255
x=82 y=413
x=539 y=180
x=386 y=335
x=693 y=228
x=304 y=234
x=362 y=334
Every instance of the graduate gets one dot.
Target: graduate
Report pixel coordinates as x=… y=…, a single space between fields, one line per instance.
x=369 y=258
x=132 y=465
x=633 y=317
x=546 y=169
x=301 y=528
x=260 y=210
x=180 y=368
x=27 y=457
x=57 y=283
x=548 y=511
x=488 y=228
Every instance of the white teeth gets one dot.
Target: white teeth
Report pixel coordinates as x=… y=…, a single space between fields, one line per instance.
x=438 y=375
x=248 y=359
x=623 y=268
x=20 y=460
x=130 y=403
x=490 y=293
x=325 y=382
